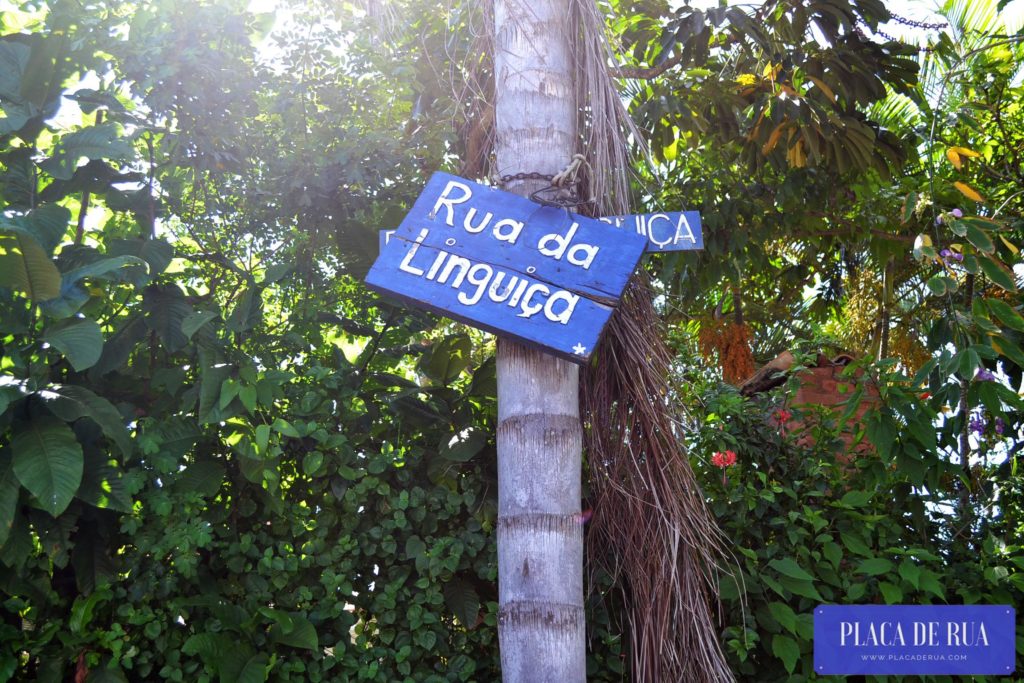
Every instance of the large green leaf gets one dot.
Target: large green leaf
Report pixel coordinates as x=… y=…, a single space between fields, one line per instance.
x=786 y=649
x=9 y=490
x=463 y=601
x=48 y=461
x=464 y=445
x=103 y=267
x=95 y=142
x=25 y=267
x=120 y=345
x=166 y=308
x=157 y=253
x=788 y=567
x=447 y=359
x=13 y=62
x=71 y=402
x=253 y=669
x=247 y=313
x=79 y=339
x=998 y=273
x=204 y=477
x=298 y=632
x=103 y=484
x=48 y=224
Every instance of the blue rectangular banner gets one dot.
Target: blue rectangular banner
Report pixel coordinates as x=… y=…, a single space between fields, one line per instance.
x=502 y=263
x=914 y=639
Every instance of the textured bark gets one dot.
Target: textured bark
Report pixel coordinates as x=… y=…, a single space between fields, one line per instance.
x=540 y=538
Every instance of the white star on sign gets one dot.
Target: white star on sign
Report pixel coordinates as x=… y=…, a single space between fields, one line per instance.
x=579 y=349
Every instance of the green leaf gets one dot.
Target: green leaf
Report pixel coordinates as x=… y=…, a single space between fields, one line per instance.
x=875 y=566
x=247 y=313
x=48 y=224
x=998 y=273
x=980 y=239
x=209 y=391
x=856 y=499
x=783 y=614
x=95 y=142
x=1006 y=314
x=48 y=461
x=833 y=553
x=82 y=609
x=301 y=634
x=25 y=267
x=166 y=309
x=255 y=670
x=275 y=273
x=786 y=649
x=891 y=592
x=79 y=339
x=119 y=346
x=10 y=489
x=855 y=545
x=247 y=395
x=414 y=547
x=447 y=359
x=71 y=402
x=193 y=321
x=157 y=253
x=204 y=477
x=312 y=462
x=285 y=428
x=930 y=583
x=801 y=587
x=103 y=267
x=787 y=566
x=464 y=445
x=941 y=284
x=463 y=601
x=103 y=484
x=14 y=58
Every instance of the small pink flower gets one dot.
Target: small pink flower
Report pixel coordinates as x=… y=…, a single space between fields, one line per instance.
x=958 y=213
x=782 y=416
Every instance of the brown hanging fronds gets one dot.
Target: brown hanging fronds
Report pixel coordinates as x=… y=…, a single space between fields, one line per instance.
x=651 y=528
x=730 y=343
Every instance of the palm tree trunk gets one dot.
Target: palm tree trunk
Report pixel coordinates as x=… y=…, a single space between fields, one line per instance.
x=540 y=539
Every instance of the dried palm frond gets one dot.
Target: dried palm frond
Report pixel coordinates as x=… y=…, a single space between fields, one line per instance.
x=651 y=527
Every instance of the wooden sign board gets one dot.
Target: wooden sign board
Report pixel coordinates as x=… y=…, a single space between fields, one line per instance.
x=502 y=263
x=670 y=231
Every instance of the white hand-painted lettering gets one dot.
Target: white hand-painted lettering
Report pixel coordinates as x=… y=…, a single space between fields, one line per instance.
x=406 y=264
x=562 y=245
x=530 y=309
x=449 y=202
x=650 y=229
x=467 y=222
x=683 y=223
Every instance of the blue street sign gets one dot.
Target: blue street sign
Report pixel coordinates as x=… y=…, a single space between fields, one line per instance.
x=502 y=263
x=670 y=231
x=914 y=639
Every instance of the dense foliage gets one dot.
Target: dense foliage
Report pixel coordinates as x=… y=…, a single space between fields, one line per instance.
x=221 y=458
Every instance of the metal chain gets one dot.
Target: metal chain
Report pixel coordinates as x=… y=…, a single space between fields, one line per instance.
x=532 y=175
x=937 y=26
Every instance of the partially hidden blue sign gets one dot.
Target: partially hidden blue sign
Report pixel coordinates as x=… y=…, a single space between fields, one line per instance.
x=669 y=231
x=502 y=263
x=914 y=639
